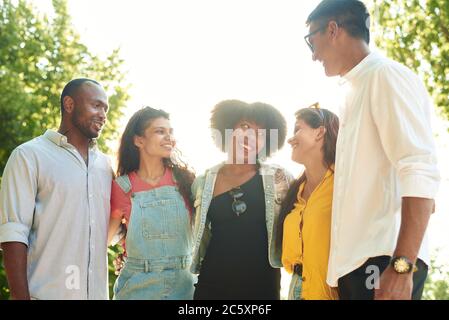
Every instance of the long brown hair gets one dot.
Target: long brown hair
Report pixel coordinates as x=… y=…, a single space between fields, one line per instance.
x=314 y=118
x=129 y=158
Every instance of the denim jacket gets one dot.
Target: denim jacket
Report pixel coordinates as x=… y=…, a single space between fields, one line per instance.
x=276 y=182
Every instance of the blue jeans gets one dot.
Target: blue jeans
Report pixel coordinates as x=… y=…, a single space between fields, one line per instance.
x=294 y=291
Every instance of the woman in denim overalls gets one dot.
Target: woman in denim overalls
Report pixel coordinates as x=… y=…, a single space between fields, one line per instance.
x=152 y=194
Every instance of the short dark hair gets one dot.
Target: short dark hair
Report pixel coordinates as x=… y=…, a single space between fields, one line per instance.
x=72 y=87
x=350 y=14
x=227 y=113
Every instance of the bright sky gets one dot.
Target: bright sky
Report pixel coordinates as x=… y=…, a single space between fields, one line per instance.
x=186 y=56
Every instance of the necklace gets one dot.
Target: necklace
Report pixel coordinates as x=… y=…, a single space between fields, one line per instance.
x=152 y=180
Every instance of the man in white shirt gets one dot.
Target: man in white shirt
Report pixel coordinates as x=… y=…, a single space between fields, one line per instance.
x=54 y=204
x=386 y=175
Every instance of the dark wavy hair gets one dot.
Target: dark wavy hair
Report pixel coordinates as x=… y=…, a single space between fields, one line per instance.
x=314 y=118
x=226 y=114
x=129 y=158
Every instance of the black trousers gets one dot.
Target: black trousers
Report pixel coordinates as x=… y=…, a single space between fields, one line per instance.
x=353 y=286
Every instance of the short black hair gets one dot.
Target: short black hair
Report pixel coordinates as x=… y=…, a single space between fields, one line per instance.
x=72 y=87
x=350 y=14
x=227 y=113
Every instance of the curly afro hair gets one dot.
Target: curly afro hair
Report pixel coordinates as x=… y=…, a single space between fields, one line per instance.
x=226 y=114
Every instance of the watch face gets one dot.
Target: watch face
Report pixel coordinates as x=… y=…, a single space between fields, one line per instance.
x=401 y=266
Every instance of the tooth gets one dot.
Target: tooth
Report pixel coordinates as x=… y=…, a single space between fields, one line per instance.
x=244 y=146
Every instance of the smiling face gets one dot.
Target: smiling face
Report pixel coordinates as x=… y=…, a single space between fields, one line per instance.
x=90 y=105
x=157 y=139
x=248 y=141
x=325 y=49
x=306 y=143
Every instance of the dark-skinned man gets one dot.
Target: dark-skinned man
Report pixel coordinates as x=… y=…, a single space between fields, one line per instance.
x=54 y=204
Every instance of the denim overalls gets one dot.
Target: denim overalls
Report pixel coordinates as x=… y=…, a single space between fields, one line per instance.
x=158 y=246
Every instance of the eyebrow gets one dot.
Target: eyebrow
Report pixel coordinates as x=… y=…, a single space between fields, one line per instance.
x=101 y=101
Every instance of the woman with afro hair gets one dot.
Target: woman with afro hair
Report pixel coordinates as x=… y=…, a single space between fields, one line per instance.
x=236 y=206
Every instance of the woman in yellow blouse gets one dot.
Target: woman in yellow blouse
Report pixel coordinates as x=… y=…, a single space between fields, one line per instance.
x=305 y=218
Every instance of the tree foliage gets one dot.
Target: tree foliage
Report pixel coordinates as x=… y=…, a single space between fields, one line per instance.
x=437 y=283
x=38 y=56
x=416 y=33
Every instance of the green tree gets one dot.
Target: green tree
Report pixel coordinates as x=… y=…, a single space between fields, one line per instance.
x=416 y=33
x=4 y=291
x=38 y=56
x=437 y=283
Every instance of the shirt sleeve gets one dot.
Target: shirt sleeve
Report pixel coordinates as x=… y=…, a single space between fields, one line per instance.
x=197 y=184
x=401 y=110
x=18 y=197
x=120 y=202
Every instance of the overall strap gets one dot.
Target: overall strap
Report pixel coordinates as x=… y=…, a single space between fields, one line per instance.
x=124 y=183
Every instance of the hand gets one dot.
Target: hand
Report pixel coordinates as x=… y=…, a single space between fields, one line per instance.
x=118 y=263
x=394 y=286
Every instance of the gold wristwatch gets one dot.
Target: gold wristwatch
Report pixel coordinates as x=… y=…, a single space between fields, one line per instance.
x=403 y=265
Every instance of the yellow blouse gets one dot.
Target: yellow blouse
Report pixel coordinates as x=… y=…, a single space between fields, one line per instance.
x=316 y=231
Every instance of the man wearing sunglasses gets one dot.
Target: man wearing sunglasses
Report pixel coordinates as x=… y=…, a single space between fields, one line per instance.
x=386 y=175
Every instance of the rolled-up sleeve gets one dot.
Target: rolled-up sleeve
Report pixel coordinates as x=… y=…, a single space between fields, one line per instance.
x=17 y=197
x=401 y=109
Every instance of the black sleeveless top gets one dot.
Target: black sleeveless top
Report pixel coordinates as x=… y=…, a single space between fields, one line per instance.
x=236 y=263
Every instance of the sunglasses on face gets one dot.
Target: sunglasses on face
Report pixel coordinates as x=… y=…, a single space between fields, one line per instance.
x=238 y=206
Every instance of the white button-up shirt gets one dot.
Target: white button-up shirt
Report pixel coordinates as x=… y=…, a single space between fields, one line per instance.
x=59 y=207
x=385 y=151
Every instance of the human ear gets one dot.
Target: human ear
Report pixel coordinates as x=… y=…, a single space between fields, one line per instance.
x=321 y=133
x=138 y=141
x=68 y=104
x=333 y=28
